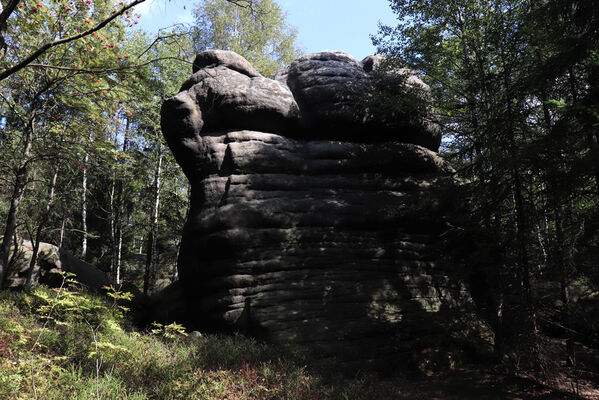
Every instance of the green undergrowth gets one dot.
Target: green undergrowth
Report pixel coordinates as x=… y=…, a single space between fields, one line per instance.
x=67 y=344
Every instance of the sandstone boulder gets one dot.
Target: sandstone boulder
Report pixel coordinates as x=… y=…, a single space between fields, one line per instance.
x=231 y=94
x=340 y=98
x=328 y=234
x=51 y=262
x=327 y=86
x=224 y=58
x=326 y=95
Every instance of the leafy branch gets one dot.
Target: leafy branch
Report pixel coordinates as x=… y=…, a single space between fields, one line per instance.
x=47 y=46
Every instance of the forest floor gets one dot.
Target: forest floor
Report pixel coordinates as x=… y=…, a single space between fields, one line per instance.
x=68 y=344
x=475 y=383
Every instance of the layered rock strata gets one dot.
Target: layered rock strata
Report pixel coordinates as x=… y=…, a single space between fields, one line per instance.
x=309 y=222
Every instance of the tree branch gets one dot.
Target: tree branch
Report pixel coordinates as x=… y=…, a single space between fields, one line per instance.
x=5 y=12
x=107 y=70
x=160 y=38
x=33 y=56
x=242 y=3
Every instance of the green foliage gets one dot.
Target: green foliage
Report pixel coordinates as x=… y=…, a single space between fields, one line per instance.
x=170 y=331
x=134 y=365
x=83 y=121
x=91 y=109
x=515 y=86
x=395 y=96
x=257 y=32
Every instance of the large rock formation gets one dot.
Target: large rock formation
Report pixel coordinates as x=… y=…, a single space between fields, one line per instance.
x=312 y=220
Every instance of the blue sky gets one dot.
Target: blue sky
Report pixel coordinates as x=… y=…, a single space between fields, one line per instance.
x=321 y=24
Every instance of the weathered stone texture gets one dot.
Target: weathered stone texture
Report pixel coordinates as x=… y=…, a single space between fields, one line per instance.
x=51 y=263
x=298 y=236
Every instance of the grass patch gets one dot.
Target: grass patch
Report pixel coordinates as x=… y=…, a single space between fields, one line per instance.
x=60 y=343
x=66 y=344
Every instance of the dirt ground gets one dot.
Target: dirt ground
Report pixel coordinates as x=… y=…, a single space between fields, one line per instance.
x=466 y=384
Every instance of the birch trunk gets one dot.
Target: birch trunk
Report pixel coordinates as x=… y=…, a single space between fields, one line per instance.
x=40 y=227
x=152 y=256
x=62 y=227
x=84 y=209
x=155 y=223
x=119 y=215
x=112 y=226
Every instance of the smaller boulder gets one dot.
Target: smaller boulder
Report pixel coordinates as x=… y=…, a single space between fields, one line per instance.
x=224 y=58
x=51 y=263
x=195 y=335
x=326 y=86
x=229 y=99
x=343 y=99
x=224 y=93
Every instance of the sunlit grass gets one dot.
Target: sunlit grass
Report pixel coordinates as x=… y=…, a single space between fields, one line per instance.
x=79 y=346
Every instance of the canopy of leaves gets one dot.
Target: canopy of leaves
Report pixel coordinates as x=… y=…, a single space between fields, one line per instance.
x=516 y=83
x=259 y=33
x=80 y=132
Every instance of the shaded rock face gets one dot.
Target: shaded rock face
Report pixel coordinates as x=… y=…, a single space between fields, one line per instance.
x=299 y=232
x=335 y=93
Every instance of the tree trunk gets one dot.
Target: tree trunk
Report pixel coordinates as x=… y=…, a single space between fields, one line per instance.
x=119 y=215
x=60 y=241
x=112 y=227
x=522 y=223
x=176 y=268
x=523 y=260
x=187 y=210
x=119 y=252
x=21 y=180
x=84 y=209
x=148 y=266
x=559 y=255
x=40 y=227
x=155 y=220
x=592 y=135
x=152 y=256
